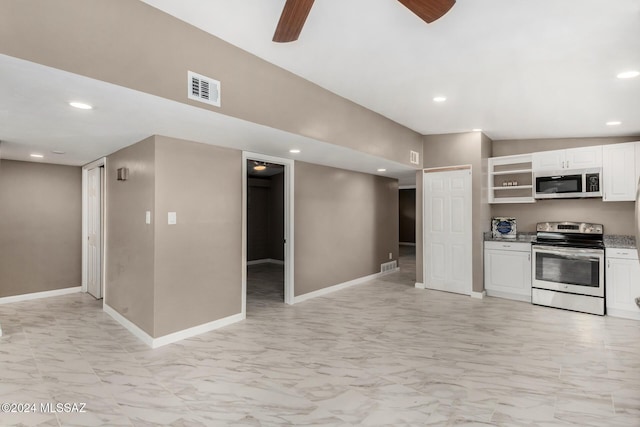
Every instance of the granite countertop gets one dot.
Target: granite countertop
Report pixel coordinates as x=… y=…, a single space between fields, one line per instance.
x=520 y=237
x=619 y=241
x=610 y=240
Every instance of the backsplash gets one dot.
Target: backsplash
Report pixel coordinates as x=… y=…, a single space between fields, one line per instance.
x=617 y=217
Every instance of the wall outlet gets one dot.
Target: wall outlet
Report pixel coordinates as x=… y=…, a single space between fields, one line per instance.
x=147 y=217
x=172 y=218
x=390 y=255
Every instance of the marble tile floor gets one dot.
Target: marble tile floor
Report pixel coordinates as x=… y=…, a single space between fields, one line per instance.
x=377 y=354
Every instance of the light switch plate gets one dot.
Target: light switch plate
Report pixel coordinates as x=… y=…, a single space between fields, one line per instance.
x=172 y=218
x=147 y=217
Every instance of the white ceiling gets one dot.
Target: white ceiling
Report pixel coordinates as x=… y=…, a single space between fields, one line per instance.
x=515 y=68
x=35 y=118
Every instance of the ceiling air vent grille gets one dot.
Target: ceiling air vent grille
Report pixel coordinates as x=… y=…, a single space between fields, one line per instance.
x=414 y=157
x=203 y=89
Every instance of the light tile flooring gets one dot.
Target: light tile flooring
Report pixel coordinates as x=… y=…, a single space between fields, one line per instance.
x=382 y=353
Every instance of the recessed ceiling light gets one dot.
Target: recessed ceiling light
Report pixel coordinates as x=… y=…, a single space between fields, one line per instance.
x=80 y=105
x=382 y=170
x=477 y=130
x=439 y=99
x=38 y=156
x=58 y=152
x=259 y=167
x=294 y=151
x=628 y=74
x=613 y=123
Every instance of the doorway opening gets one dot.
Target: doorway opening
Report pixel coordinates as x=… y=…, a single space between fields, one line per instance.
x=267 y=246
x=93 y=219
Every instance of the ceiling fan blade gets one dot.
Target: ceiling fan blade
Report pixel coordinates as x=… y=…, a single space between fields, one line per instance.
x=428 y=10
x=292 y=20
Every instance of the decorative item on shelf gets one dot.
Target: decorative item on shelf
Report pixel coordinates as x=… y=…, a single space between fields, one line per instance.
x=504 y=228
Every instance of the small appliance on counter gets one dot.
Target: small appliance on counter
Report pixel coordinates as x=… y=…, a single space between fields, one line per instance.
x=503 y=228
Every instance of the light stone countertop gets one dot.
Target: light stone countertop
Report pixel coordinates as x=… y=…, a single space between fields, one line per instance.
x=619 y=241
x=610 y=240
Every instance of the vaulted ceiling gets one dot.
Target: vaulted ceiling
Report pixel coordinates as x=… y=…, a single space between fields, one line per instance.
x=514 y=68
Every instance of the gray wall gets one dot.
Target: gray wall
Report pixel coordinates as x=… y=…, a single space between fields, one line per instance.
x=407 y=215
x=79 y=36
x=130 y=259
x=40 y=227
x=165 y=278
x=472 y=148
x=346 y=223
x=617 y=217
x=265 y=218
x=276 y=217
x=199 y=260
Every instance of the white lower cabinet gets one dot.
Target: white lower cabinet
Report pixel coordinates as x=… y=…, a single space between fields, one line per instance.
x=622 y=282
x=507 y=270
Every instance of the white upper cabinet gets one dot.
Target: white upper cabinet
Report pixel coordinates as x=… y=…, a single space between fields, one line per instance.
x=548 y=160
x=619 y=172
x=572 y=158
x=583 y=157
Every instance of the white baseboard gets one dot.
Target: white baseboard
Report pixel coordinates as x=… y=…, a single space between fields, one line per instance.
x=175 y=336
x=508 y=295
x=406 y=244
x=38 y=295
x=197 y=330
x=339 y=286
x=420 y=285
x=625 y=314
x=129 y=325
x=265 y=261
x=478 y=295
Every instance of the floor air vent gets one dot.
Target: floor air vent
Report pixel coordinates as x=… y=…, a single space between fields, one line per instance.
x=388 y=266
x=203 y=89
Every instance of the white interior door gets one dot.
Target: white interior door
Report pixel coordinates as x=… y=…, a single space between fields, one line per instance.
x=447 y=231
x=94 y=228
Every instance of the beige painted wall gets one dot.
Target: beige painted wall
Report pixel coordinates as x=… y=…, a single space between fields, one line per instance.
x=617 y=217
x=129 y=285
x=199 y=260
x=524 y=146
x=126 y=42
x=346 y=223
x=40 y=227
x=472 y=148
x=276 y=217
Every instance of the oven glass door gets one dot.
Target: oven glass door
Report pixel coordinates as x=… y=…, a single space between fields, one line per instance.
x=579 y=271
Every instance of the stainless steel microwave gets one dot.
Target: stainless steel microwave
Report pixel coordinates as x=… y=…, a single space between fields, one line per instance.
x=568 y=183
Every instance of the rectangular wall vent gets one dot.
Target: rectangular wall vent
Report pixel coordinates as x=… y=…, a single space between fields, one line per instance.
x=388 y=266
x=414 y=157
x=203 y=89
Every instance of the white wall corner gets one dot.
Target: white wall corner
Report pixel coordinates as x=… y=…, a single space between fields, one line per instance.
x=478 y=295
x=175 y=336
x=129 y=325
x=420 y=285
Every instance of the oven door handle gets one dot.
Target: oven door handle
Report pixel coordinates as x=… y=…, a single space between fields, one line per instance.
x=573 y=252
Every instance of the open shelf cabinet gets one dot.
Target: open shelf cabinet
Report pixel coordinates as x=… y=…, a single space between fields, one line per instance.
x=511 y=179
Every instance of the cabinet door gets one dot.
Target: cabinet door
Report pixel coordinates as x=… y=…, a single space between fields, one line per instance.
x=508 y=274
x=548 y=160
x=623 y=287
x=583 y=157
x=618 y=172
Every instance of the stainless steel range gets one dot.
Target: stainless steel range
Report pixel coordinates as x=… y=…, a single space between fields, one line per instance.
x=568 y=266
